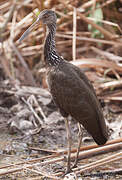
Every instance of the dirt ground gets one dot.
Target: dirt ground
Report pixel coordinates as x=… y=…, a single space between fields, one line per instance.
x=33 y=140
x=29 y=119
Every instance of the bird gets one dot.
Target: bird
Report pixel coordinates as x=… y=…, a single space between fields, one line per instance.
x=71 y=90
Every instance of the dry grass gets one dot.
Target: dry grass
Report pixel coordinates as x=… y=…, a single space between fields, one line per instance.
x=19 y=60
x=75 y=41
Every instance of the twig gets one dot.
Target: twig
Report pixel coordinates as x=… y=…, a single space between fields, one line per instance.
x=3 y=61
x=30 y=77
x=101 y=174
x=107 y=22
x=81 y=156
x=88 y=4
x=43 y=173
x=60 y=153
x=114 y=98
x=90 y=39
x=110 y=56
x=28 y=161
x=112 y=84
x=8 y=19
x=27 y=20
x=107 y=34
x=13 y=25
x=32 y=97
x=74 y=35
x=95 y=62
x=84 y=148
x=101 y=162
x=29 y=90
x=42 y=150
x=89 y=153
x=101 y=6
x=33 y=111
x=11 y=40
x=96 y=164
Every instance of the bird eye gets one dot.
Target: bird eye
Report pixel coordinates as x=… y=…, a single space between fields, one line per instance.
x=45 y=16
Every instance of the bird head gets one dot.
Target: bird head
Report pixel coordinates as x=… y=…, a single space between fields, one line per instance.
x=47 y=17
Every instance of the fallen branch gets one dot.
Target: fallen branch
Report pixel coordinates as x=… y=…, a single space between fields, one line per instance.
x=109 y=55
x=101 y=162
x=89 y=153
x=112 y=84
x=104 y=173
x=96 y=164
x=22 y=61
x=116 y=143
x=90 y=39
x=33 y=111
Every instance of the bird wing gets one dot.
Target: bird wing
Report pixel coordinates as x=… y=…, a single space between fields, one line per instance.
x=73 y=95
x=81 y=74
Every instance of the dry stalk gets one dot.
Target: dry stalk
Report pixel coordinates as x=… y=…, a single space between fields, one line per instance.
x=91 y=166
x=96 y=164
x=10 y=14
x=74 y=34
x=33 y=111
x=115 y=145
x=42 y=173
x=112 y=84
x=88 y=4
x=95 y=63
x=30 y=76
x=107 y=34
x=119 y=98
x=110 y=56
x=90 y=39
x=88 y=153
x=35 y=102
x=87 y=167
x=83 y=148
x=101 y=6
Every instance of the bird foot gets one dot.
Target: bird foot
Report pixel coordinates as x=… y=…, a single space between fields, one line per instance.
x=68 y=170
x=74 y=165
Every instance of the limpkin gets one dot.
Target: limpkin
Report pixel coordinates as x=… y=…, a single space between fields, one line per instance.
x=71 y=90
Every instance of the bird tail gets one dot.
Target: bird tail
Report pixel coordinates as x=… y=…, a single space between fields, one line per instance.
x=100 y=139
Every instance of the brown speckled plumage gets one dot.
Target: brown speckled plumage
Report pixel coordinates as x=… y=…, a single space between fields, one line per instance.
x=74 y=95
x=71 y=90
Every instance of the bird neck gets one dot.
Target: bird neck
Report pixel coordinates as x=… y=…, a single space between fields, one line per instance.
x=50 y=55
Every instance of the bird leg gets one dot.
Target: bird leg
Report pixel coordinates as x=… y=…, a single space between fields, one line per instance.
x=79 y=144
x=69 y=145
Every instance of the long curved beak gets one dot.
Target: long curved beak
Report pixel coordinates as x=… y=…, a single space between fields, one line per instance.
x=26 y=33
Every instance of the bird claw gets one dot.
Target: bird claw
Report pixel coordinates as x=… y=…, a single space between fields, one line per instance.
x=68 y=170
x=74 y=166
